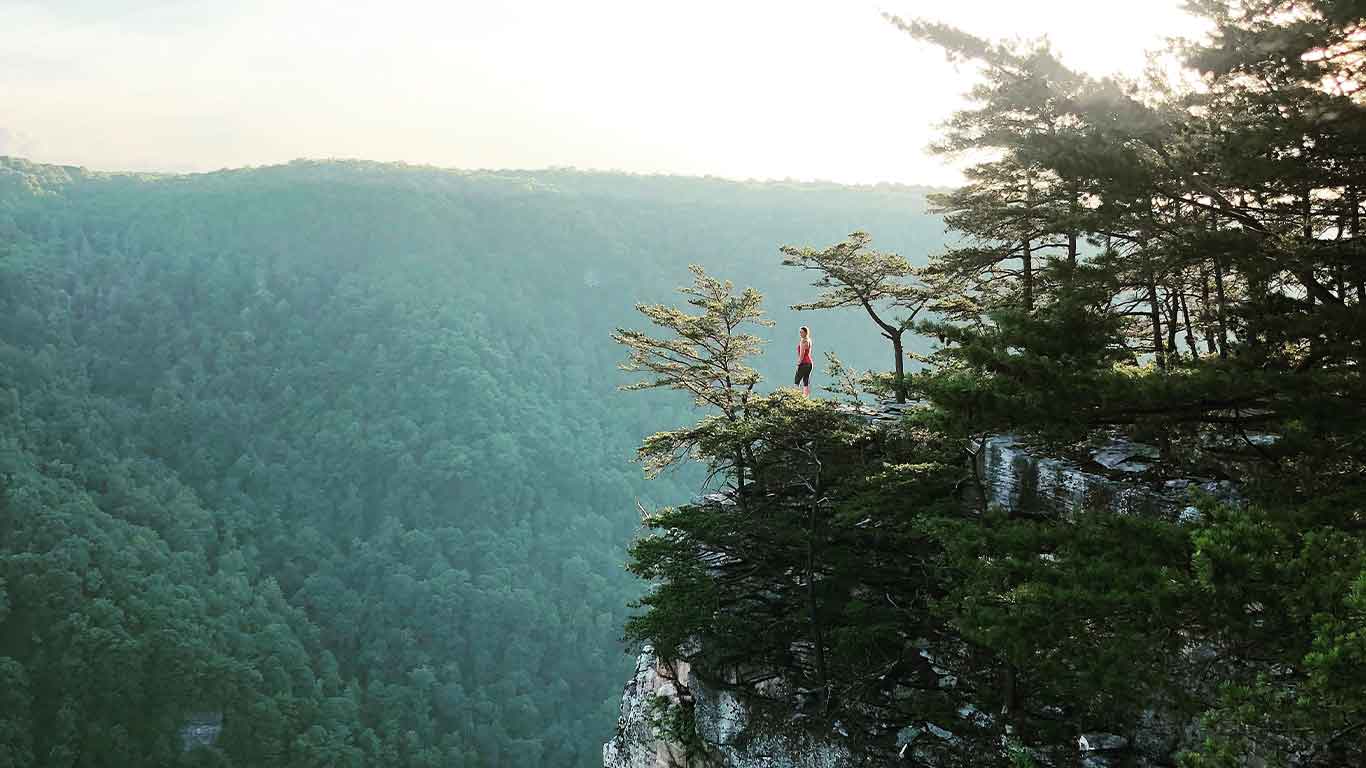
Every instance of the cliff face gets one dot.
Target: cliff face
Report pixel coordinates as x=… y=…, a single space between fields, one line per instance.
x=1116 y=474
x=672 y=717
x=723 y=730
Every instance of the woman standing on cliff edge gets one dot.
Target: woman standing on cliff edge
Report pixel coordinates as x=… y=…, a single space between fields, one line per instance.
x=803 y=376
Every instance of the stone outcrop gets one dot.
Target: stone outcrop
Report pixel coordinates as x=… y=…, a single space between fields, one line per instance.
x=1118 y=475
x=728 y=732
x=638 y=742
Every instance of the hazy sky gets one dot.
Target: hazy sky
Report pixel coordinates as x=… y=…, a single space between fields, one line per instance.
x=740 y=88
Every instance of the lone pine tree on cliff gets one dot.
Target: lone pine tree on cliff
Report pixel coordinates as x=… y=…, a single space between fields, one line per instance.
x=851 y=274
x=704 y=354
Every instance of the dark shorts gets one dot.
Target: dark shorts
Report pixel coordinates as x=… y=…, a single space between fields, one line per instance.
x=803 y=376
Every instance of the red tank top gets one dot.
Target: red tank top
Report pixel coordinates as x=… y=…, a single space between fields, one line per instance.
x=803 y=353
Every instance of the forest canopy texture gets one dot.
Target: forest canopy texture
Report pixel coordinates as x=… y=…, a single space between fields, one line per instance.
x=1184 y=266
x=331 y=450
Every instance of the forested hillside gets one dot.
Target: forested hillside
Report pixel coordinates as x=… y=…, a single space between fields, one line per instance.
x=332 y=448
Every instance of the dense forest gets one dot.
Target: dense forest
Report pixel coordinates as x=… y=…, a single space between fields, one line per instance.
x=330 y=453
x=1178 y=265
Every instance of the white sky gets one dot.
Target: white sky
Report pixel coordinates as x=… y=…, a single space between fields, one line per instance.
x=747 y=88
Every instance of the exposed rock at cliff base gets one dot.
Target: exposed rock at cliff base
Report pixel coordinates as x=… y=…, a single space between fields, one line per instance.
x=729 y=734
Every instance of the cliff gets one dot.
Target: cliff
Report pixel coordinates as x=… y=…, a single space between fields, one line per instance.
x=672 y=718
x=675 y=716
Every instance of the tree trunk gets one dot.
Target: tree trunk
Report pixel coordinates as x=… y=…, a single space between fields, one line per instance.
x=1355 y=220
x=978 y=457
x=1356 y=210
x=1010 y=693
x=1309 y=239
x=1206 y=313
x=893 y=335
x=1190 y=328
x=900 y=367
x=1027 y=254
x=1074 y=207
x=752 y=463
x=817 y=635
x=1155 y=317
x=1308 y=216
x=1219 y=307
x=1173 y=319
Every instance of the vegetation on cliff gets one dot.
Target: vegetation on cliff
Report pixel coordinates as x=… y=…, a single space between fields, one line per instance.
x=1184 y=264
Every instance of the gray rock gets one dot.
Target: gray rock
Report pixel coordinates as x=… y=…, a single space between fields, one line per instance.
x=201 y=729
x=975 y=716
x=721 y=719
x=907 y=735
x=1019 y=480
x=731 y=736
x=1101 y=742
x=635 y=744
x=940 y=733
x=1124 y=456
x=1160 y=734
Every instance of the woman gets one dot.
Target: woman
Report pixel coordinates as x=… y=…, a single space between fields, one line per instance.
x=803 y=376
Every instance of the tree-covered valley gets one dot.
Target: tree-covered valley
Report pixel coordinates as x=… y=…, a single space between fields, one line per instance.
x=333 y=449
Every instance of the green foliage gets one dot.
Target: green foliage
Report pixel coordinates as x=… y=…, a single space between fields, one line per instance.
x=1181 y=267
x=328 y=448
x=850 y=274
x=813 y=567
x=1019 y=755
x=1089 y=611
x=676 y=722
x=1228 y=216
x=1044 y=371
x=706 y=355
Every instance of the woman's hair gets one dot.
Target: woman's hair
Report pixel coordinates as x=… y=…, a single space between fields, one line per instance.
x=808 y=332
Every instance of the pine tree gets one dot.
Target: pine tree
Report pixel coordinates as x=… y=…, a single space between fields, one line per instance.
x=1229 y=216
x=850 y=274
x=705 y=355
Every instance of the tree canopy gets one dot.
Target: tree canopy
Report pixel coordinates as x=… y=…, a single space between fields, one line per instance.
x=331 y=450
x=1178 y=265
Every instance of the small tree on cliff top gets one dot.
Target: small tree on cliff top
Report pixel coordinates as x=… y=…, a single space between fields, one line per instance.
x=854 y=275
x=706 y=356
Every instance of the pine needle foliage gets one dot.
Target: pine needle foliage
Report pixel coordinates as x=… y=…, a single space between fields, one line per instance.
x=1183 y=266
